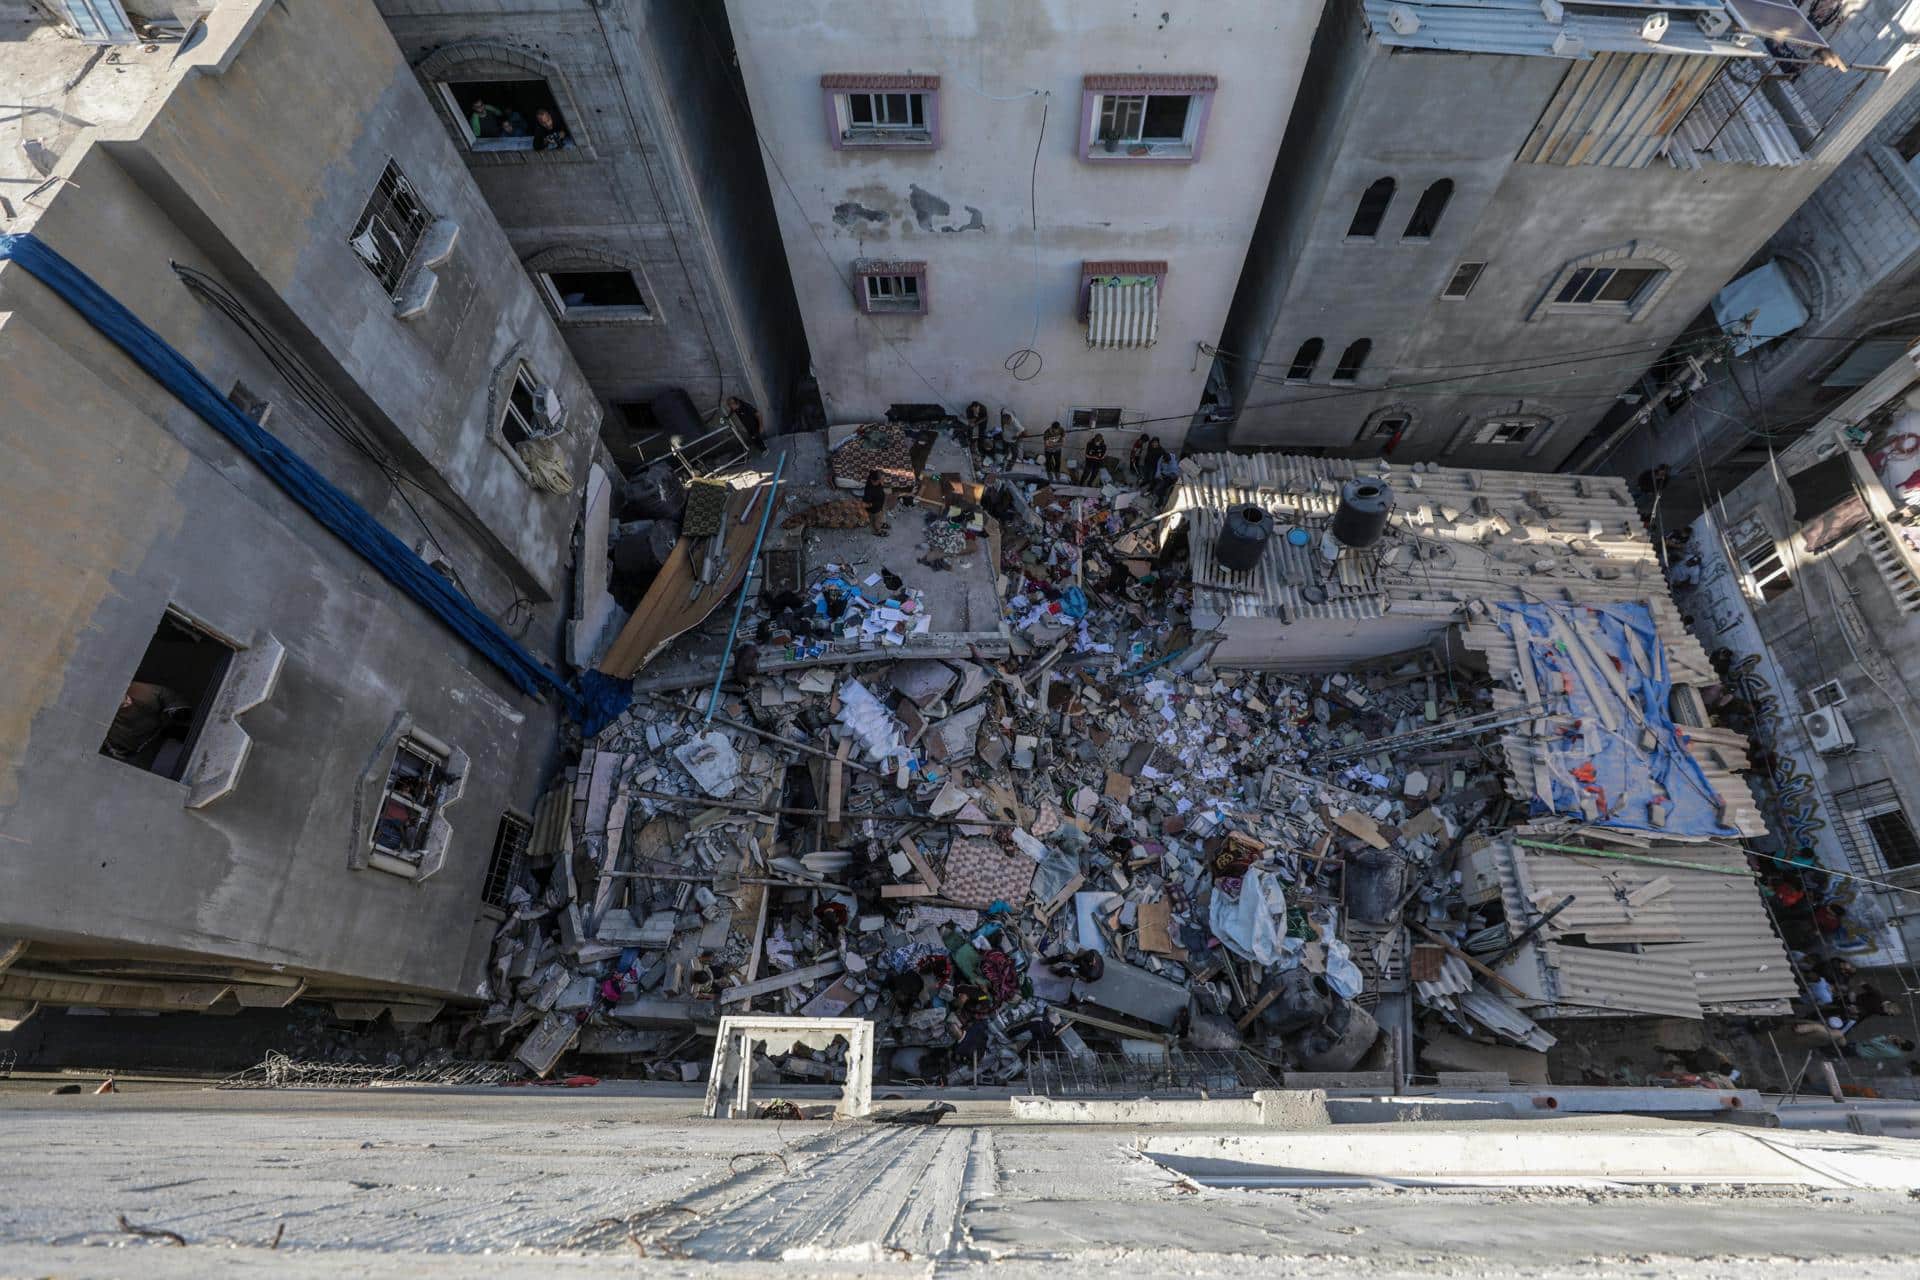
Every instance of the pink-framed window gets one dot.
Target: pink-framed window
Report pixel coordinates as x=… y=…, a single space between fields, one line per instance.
x=889 y=287
x=1144 y=119
x=1118 y=273
x=885 y=111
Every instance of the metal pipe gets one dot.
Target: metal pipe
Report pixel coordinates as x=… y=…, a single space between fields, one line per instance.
x=1634 y=857
x=746 y=584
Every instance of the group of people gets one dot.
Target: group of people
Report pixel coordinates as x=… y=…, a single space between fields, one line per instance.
x=1149 y=464
x=488 y=122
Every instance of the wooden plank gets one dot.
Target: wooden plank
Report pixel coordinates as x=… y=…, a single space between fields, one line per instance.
x=780 y=982
x=837 y=782
x=1472 y=963
x=921 y=866
x=908 y=891
x=1259 y=1007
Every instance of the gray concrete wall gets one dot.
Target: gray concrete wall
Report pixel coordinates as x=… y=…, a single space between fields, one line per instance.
x=663 y=179
x=1417 y=117
x=121 y=503
x=968 y=207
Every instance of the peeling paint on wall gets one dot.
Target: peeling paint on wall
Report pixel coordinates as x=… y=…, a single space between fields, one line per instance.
x=928 y=206
x=852 y=211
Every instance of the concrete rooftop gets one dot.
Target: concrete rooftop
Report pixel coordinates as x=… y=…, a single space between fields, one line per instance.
x=52 y=87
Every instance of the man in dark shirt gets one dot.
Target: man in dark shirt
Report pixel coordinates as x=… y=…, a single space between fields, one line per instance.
x=145 y=710
x=549 y=134
x=1093 y=461
x=748 y=419
x=1052 y=442
x=875 y=496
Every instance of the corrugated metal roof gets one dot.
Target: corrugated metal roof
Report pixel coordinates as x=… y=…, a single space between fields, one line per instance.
x=1522 y=27
x=1736 y=123
x=1617 y=109
x=1122 y=314
x=1710 y=946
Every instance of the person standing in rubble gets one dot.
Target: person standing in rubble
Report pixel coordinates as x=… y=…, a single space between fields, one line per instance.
x=1007 y=443
x=1166 y=474
x=1141 y=457
x=1093 y=459
x=1053 y=443
x=747 y=418
x=975 y=426
x=875 y=496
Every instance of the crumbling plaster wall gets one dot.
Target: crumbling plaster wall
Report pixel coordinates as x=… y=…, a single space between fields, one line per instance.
x=1419 y=117
x=967 y=207
x=121 y=503
x=662 y=177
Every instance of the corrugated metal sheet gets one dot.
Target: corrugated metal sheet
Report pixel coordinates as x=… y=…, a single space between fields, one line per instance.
x=1521 y=27
x=1735 y=122
x=1123 y=315
x=1617 y=109
x=1711 y=948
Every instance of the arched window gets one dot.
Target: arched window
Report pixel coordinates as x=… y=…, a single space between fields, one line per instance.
x=1305 y=360
x=1373 y=209
x=1348 y=370
x=1426 y=214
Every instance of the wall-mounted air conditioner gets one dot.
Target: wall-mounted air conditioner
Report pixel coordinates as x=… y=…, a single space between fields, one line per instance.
x=1829 y=731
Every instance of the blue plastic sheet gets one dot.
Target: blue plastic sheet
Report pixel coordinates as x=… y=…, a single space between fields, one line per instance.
x=338 y=513
x=1613 y=768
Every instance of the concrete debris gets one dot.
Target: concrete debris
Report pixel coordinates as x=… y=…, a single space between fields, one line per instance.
x=1102 y=846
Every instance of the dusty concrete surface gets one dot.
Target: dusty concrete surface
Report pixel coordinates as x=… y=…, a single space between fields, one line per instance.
x=496 y=1183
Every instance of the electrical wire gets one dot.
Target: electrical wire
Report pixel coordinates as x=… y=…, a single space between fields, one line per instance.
x=1018 y=360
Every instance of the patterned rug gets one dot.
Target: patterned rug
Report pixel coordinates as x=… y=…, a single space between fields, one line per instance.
x=980 y=871
x=840 y=513
x=878 y=447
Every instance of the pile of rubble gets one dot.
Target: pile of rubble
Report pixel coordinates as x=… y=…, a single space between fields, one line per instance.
x=1098 y=852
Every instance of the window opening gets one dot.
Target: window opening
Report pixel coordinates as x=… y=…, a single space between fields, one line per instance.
x=256 y=407
x=1825 y=695
x=587 y=291
x=893 y=293
x=510 y=843
x=1372 y=210
x=1876 y=824
x=1506 y=430
x=1760 y=557
x=390 y=228
x=1094 y=419
x=1426 y=214
x=165 y=704
x=524 y=419
x=1465 y=276
x=416 y=783
x=1351 y=360
x=509 y=115
x=882 y=115
x=1305 y=360
x=1602 y=286
x=1145 y=119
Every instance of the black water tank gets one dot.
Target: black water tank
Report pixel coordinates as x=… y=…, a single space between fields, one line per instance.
x=1362 y=514
x=1243 y=537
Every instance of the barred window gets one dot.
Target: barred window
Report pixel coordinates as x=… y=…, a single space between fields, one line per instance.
x=390 y=228
x=509 y=856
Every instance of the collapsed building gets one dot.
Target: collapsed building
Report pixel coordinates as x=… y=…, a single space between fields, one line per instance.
x=1327 y=768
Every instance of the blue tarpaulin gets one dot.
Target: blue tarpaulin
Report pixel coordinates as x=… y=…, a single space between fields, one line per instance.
x=1576 y=653
x=340 y=514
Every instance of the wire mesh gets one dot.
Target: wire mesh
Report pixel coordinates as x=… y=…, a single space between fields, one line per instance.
x=1177 y=1074
x=278 y=1071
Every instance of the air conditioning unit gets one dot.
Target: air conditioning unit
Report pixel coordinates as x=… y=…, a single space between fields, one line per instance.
x=1829 y=731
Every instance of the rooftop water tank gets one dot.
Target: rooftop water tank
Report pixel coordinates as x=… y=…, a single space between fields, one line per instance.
x=1362 y=514
x=1243 y=537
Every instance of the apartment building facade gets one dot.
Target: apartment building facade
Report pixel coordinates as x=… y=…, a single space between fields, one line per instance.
x=238 y=763
x=638 y=208
x=1815 y=315
x=1042 y=206
x=1804 y=583
x=1502 y=213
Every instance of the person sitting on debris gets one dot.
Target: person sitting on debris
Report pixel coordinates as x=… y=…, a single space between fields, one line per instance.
x=747 y=418
x=146 y=710
x=1880 y=1048
x=1093 y=458
x=1053 y=443
x=1086 y=965
x=549 y=134
x=875 y=496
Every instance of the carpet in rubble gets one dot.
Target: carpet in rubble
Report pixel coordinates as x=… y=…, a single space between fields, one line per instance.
x=878 y=446
x=841 y=513
x=980 y=872
x=706 y=508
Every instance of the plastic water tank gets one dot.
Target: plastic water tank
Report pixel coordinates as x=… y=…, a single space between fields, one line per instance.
x=1243 y=537
x=1361 y=517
